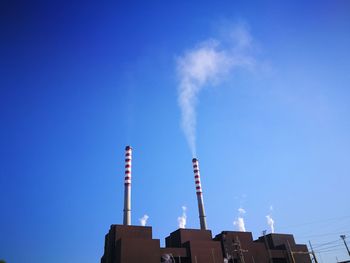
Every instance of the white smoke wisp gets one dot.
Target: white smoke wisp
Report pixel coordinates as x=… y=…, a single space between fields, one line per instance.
x=241 y=211
x=239 y=222
x=182 y=219
x=270 y=221
x=208 y=64
x=143 y=220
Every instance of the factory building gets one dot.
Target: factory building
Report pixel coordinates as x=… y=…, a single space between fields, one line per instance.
x=272 y=248
x=133 y=244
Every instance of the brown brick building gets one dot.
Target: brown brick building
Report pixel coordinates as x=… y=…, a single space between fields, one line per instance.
x=132 y=244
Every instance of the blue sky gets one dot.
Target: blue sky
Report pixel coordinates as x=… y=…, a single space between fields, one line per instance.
x=80 y=81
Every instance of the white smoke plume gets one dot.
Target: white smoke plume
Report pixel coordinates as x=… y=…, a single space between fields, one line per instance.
x=182 y=219
x=239 y=222
x=208 y=63
x=143 y=220
x=270 y=221
x=241 y=211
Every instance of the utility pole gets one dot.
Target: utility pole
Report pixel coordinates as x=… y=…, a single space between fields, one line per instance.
x=312 y=252
x=343 y=237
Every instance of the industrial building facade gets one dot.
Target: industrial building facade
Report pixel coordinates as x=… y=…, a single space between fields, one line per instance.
x=133 y=244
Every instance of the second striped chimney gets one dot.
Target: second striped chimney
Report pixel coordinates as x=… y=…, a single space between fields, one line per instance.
x=197 y=179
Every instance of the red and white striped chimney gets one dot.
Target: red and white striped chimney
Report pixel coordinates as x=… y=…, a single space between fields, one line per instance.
x=197 y=180
x=127 y=186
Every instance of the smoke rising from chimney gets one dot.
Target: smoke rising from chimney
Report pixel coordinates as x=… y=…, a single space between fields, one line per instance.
x=239 y=222
x=270 y=221
x=182 y=219
x=208 y=63
x=143 y=220
x=241 y=211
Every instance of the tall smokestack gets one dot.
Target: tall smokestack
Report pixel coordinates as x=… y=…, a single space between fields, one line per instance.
x=197 y=180
x=127 y=186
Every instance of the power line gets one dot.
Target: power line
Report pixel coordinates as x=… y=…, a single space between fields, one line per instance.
x=327 y=229
x=327 y=243
x=316 y=221
x=328 y=248
x=325 y=234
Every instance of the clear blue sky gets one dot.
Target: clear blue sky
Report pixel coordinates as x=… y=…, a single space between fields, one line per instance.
x=81 y=80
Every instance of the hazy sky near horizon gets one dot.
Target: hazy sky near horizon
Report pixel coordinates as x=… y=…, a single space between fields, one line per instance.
x=259 y=91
